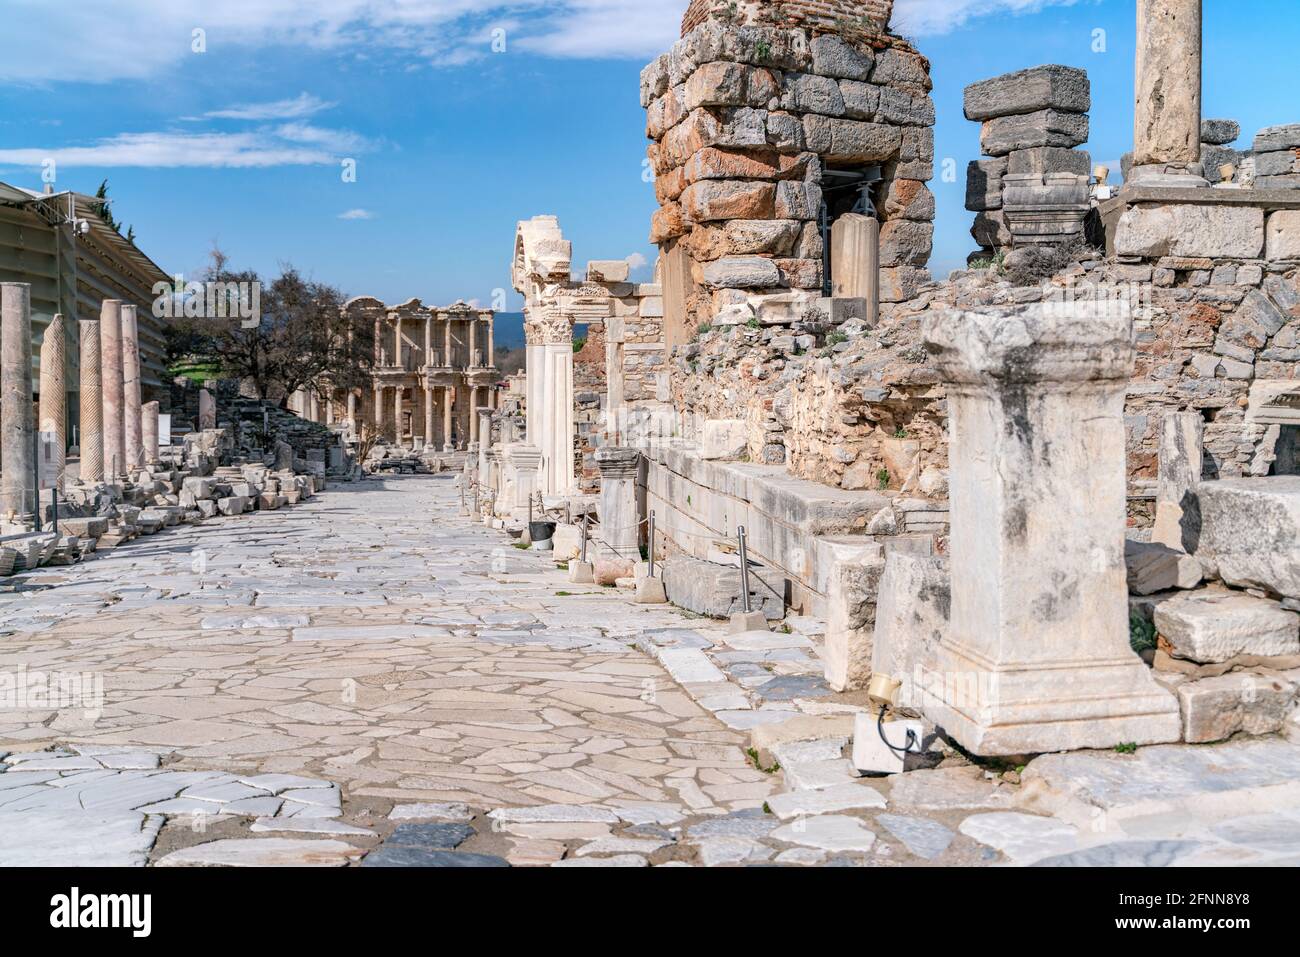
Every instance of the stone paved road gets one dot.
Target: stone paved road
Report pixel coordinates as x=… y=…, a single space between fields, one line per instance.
x=375 y=638
x=370 y=677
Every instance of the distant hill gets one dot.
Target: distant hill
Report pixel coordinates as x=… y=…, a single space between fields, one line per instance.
x=508 y=330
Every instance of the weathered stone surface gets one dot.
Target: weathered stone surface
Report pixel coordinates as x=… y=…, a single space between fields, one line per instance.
x=1028 y=91
x=708 y=588
x=912 y=613
x=1279 y=163
x=1219 y=132
x=905 y=243
x=1049 y=159
x=838 y=797
x=946 y=789
x=1235 y=232
x=830 y=832
x=1037 y=651
x=1024 y=838
x=75 y=837
x=1282 y=235
x=925 y=838
x=990 y=230
x=1211 y=627
x=1002 y=135
x=1278 y=138
x=722 y=83
x=742 y=272
x=724 y=439
x=1251 y=530
x=806 y=93
x=984 y=183
x=1181 y=460
x=1214 y=709
x=1167 y=101
x=710 y=200
x=264 y=852
x=1154 y=567
x=851 y=141
x=832 y=56
x=851 y=599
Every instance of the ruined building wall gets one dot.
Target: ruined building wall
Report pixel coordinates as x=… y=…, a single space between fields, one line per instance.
x=747 y=113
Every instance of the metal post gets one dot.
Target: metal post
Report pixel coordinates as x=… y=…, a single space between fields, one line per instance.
x=585 y=519
x=650 y=549
x=744 y=571
x=36 y=481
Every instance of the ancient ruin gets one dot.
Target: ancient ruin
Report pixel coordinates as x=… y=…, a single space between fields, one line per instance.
x=791 y=553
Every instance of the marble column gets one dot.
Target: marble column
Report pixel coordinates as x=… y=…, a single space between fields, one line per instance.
x=491 y=346
x=397 y=414
x=1181 y=459
x=352 y=411
x=1036 y=657
x=614 y=380
x=484 y=434
x=429 y=440
x=110 y=354
x=397 y=343
x=473 y=413
x=92 y=410
x=131 y=389
x=379 y=342
x=149 y=432
x=53 y=416
x=379 y=411
x=17 y=483
x=525 y=461
x=1167 y=88
x=620 y=523
x=207 y=410
x=558 y=423
x=448 y=396
x=446 y=346
x=428 y=339
x=855 y=260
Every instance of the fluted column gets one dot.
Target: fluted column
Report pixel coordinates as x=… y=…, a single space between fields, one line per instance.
x=110 y=349
x=17 y=484
x=448 y=397
x=131 y=389
x=53 y=417
x=92 y=411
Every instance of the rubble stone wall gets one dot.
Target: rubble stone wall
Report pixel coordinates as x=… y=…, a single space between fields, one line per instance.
x=746 y=114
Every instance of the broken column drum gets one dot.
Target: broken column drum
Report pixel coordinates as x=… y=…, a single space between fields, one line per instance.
x=1037 y=655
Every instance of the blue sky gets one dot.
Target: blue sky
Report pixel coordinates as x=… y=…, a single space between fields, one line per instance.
x=241 y=144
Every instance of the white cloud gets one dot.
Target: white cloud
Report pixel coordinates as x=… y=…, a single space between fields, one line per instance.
x=91 y=41
x=921 y=18
x=253 y=148
x=637 y=261
x=302 y=105
x=357 y=214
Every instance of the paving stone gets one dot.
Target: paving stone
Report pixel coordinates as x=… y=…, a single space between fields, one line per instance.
x=1125 y=854
x=431 y=812
x=398 y=855
x=751 y=823
x=923 y=837
x=76 y=838
x=264 y=852
x=830 y=832
x=725 y=850
x=555 y=814
x=309 y=826
x=1024 y=838
x=840 y=797
x=789 y=687
x=622 y=845
x=443 y=836
x=801 y=857
x=944 y=789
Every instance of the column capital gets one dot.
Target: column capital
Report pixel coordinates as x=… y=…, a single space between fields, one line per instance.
x=1033 y=344
x=616 y=462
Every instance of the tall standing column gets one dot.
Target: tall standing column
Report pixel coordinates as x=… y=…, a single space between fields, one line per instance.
x=1036 y=657
x=92 y=410
x=620 y=523
x=429 y=440
x=379 y=410
x=614 y=379
x=473 y=413
x=448 y=445
x=352 y=411
x=53 y=417
x=379 y=342
x=446 y=346
x=131 y=389
x=17 y=484
x=428 y=340
x=484 y=438
x=491 y=347
x=558 y=429
x=397 y=341
x=149 y=432
x=1167 y=89
x=207 y=410
x=397 y=415
x=110 y=354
